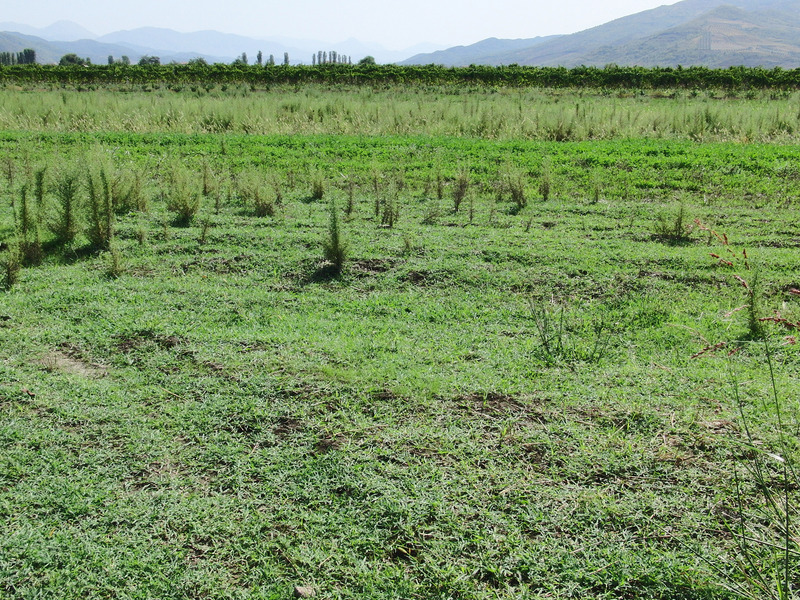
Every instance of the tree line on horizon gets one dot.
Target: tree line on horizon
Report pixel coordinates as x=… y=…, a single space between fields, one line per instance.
x=26 y=57
x=369 y=73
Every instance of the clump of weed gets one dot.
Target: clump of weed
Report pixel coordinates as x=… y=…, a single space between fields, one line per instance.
x=30 y=246
x=673 y=228
x=410 y=247
x=114 y=266
x=597 y=188
x=377 y=188
x=252 y=192
x=277 y=187
x=334 y=248
x=460 y=189
x=546 y=179
x=432 y=213
x=765 y=525
x=471 y=207
x=9 y=169
x=210 y=182
x=565 y=340
x=205 y=228
x=66 y=189
x=748 y=278
x=126 y=191
x=100 y=210
x=439 y=185
x=351 y=194
x=11 y=267
x=183 y=198
x=318 y=186
x=390 y=210
x=514 y=183
x=166 y=232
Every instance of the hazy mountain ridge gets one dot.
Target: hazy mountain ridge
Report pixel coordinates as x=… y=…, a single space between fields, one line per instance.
x=171 y=45
x=663 y=36
x=482 y=52
x=724 y=37
x=51 y=52
x=65 y=31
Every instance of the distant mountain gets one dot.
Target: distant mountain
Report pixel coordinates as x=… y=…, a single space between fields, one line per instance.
x=661 y=36
x=61 y=30
x=170 y=45
x=97 y=52
x=480 y=53
x=51 y=52
x=723 y=37
x=214 y=43
x=715 y=33
x=231 y=45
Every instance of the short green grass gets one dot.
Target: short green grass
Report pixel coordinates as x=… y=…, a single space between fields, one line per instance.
x=221 y=415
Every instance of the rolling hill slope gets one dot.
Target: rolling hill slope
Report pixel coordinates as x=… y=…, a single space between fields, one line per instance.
x=716 y=33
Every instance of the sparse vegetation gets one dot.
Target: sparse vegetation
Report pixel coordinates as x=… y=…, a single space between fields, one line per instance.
x=673 y=228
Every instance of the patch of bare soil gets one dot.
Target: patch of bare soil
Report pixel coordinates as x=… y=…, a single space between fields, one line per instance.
x=372 y=266
x=166 y=342
x=70 y=359
x=287 y=426
x=420 y=277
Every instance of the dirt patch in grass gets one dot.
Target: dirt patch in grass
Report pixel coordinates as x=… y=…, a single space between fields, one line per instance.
x=156 y=474
x=70 y=359
x=420 y=277
x=385 y=394
x=372 y=266
x=129 y=343
x=499 y=404
x=287 y=426
x=329 y=443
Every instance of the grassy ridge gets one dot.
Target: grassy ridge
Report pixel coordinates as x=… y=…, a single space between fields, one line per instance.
x=493 y=402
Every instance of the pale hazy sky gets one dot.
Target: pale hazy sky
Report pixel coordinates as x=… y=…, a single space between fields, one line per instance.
x=396 y=25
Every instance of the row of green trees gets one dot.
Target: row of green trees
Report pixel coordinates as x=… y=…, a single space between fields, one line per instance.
x=26 y=57
x=330 y=58
x=371 y=74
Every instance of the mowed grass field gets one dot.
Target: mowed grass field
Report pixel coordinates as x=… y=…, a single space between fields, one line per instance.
x=530 y=377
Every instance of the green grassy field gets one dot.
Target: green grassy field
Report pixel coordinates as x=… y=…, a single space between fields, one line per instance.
x=501 y=400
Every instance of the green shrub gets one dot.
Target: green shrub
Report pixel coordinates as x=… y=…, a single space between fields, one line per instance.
x=334 y=248
x=100 y=210
x=183 y=198
x=64 y=222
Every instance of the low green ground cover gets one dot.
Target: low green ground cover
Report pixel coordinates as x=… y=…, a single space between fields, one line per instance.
x=506 y=400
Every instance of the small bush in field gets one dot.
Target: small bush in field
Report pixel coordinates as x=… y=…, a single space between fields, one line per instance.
x=100 y=210
x=183 y=198
x=317 y=187
x=11 y=267
x=460 y=188
x=334 y=248
x=64 y=221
